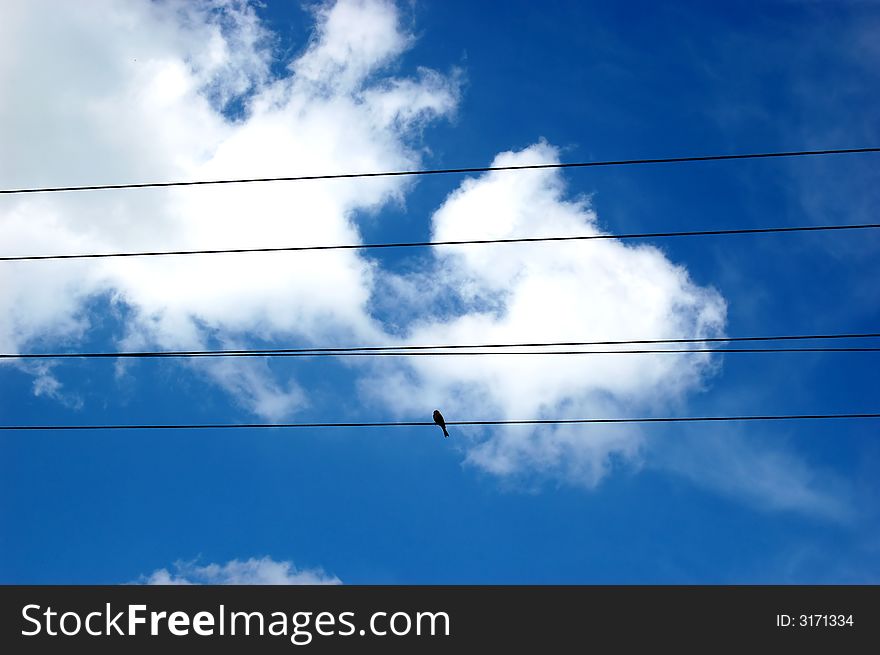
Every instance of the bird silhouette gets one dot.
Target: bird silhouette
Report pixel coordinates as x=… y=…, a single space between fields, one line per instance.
x=439 y=420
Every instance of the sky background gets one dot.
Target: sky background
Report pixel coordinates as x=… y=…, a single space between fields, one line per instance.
x=109 y=92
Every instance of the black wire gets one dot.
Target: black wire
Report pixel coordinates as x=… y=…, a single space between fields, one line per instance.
x=399 y=350
x=467 y=242
x=395 y=424
x=460 y=353
x=443 y=171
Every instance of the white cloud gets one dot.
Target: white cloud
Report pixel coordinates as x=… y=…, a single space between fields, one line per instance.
x=572 y=291
x=45 y=384
x=237 y=572
x=351 y=40
x=134 y=91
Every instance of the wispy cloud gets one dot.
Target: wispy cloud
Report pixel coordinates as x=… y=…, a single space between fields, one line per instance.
x=262 y=570
x=751 y=468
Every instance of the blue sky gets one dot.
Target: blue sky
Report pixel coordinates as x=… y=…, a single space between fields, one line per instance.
x=139 y=92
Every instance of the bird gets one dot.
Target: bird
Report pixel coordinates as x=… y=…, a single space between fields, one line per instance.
x=439 y=420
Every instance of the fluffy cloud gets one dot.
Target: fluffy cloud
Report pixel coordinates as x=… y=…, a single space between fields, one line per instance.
x=237 y=572
x=137 y=91
x=575 y=291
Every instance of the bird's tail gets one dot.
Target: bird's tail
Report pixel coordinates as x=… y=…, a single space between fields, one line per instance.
x=445 y=433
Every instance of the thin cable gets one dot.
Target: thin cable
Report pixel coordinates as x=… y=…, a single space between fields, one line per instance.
x=291 y=352
x=466 y=242
x=397 y=424
x=457 y=353
x=445 y=171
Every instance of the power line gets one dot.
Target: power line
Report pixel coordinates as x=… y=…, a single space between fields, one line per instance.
x=397 y=424
x=445 y=171
x=415 y=349
x=465 y=242
x=456 y=353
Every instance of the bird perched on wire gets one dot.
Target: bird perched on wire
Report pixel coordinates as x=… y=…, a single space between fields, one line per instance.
x=439 y=420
